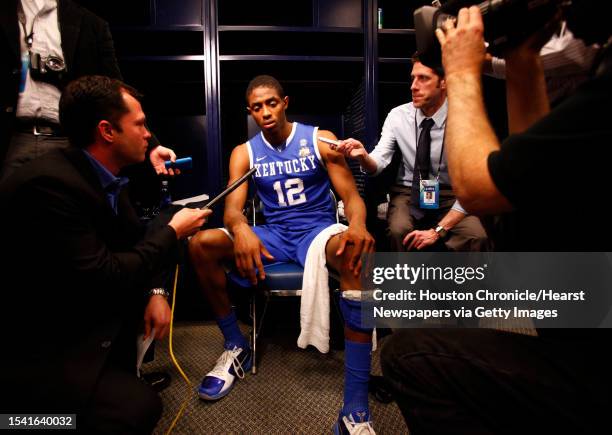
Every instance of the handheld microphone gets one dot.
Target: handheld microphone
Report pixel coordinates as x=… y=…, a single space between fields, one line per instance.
x=182 y=164
x=230 y=188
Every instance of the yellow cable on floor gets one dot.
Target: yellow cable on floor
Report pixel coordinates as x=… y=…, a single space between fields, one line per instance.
x=176 y=364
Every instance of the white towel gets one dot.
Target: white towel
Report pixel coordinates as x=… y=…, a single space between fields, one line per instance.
x=314 y=308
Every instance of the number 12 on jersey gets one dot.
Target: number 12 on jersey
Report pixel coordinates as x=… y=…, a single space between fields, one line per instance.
x=294 y=192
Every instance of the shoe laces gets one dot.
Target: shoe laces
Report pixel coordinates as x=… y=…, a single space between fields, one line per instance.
x=358 y=428
x=227 y=358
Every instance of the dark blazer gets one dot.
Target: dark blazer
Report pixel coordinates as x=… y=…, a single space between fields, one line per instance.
x=87 y=45
x=74 y=279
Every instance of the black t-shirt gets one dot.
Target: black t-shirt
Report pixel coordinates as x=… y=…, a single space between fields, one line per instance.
x=558 y=175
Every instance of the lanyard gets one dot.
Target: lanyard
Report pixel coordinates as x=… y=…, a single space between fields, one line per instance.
x=22 y=20
x=416 y=141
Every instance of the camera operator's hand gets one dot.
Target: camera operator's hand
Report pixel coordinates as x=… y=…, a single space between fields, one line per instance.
x=463 y=48
x=469 y=134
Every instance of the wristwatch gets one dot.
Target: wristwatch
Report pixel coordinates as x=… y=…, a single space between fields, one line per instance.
x=440 y=231
x=159 y=291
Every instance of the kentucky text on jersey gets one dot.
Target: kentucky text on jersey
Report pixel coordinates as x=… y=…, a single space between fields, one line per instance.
x=292 y=181
x=293 y=166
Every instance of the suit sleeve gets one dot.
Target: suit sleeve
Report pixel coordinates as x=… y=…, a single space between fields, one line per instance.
x=74 y=238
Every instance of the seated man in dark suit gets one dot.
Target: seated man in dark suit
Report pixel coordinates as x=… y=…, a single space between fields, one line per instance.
x=82 y=272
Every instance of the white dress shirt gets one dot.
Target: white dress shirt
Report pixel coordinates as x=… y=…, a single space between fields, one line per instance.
x=40 y=99
x=401 y=129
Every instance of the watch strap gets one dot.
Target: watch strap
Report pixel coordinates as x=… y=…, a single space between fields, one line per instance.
x=159 y=291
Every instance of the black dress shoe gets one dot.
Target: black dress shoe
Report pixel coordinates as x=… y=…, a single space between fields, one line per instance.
x=378 y=387
x=156 y=380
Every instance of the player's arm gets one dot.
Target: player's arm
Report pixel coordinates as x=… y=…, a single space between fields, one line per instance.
x=247 y=246
x=233 y=218
x=354 y=207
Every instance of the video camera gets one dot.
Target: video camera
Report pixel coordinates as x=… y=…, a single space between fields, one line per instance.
x=506 y=23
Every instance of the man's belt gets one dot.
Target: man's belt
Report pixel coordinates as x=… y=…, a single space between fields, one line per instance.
x=38 y=127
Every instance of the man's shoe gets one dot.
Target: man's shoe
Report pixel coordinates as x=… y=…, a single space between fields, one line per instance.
x=220 y=380
x=356 y=423
x=157 y=380
x=379 y=389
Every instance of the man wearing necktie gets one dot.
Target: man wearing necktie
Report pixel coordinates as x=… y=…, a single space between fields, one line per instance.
x=423 y=210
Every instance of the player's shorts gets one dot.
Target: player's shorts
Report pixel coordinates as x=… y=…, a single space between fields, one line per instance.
x=286 y=245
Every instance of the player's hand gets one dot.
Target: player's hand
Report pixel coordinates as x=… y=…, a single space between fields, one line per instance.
x=420 y=239
x=351 y=149
x=248 y=250
x=158 y=157
x=363 y=243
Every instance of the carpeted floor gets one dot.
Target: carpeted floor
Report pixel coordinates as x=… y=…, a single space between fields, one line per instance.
x=294 y=392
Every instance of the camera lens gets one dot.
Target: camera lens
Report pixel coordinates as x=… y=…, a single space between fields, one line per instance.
x=55 y=64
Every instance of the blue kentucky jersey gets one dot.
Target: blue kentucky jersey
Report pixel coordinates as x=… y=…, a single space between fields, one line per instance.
x=292 y=182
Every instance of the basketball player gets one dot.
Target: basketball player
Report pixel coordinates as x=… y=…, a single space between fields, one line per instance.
x=294 y=170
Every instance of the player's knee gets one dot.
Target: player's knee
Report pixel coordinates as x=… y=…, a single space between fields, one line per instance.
x=345 y=259
x=338 y=263
x=203 y=245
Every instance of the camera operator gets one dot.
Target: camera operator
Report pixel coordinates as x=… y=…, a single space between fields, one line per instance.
x=544 y=150
x=487 y=381
x=44 y=44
